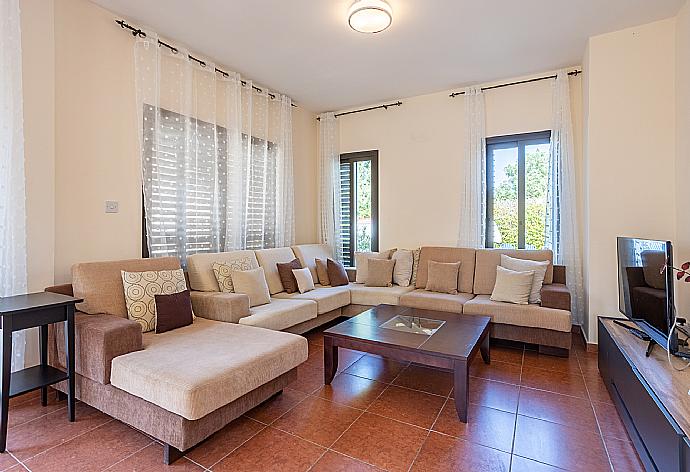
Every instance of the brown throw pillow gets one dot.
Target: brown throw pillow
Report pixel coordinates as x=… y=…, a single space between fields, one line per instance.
x=443 y=277
x=173 y=311
x=286 y=275
x=380 y=273
x=336 y=273
x=322 y=271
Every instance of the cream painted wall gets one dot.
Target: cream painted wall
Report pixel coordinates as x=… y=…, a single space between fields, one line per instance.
x=631 y=150
x=682 y=241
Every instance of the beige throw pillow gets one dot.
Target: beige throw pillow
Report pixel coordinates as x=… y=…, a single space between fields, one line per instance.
x=305 y=282
x=380 y=273
x=524 y=265
x=322 y=271
x=223 y=269
x=253 y=284
x=512 y=286
x=402 y=273
x=361 y=259
x=141 y=289
x=443 y=277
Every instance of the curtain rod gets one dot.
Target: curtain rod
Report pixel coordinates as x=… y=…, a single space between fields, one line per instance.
x=140 y=33
x=536 y=79
x=385 y=107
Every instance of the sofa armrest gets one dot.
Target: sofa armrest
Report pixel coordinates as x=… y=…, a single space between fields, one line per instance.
x=98 y=339
x=64 y=289
x=555 y=296
x=220 y=306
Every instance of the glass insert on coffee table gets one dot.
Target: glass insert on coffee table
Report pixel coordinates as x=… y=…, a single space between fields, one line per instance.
x=413 y=324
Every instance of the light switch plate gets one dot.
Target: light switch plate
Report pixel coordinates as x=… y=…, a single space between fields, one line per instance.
x=112 y=206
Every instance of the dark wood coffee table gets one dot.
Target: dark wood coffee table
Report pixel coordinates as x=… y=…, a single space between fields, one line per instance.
x=452 y=346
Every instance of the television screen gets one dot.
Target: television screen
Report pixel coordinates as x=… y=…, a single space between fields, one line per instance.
x=645 y=288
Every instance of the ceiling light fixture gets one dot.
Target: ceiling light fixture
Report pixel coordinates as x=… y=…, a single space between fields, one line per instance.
x=370 y=16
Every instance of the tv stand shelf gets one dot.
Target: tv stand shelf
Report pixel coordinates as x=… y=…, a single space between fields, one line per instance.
x=650 y=396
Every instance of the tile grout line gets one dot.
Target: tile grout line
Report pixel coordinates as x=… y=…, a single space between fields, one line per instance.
x=428 y=433
x=517 y=412
x=18 y=461
x=128 y=456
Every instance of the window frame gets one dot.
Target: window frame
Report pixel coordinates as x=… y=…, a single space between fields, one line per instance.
x=519 y=141
x=352 y=158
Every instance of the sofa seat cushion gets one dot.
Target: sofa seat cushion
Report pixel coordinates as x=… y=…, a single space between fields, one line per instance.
x=326 y=298
x=532 y=316
x=361 y=295
x=435 y=301
x=197 y=369
x=280 y=314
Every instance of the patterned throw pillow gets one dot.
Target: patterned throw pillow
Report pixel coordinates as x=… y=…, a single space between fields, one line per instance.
x=415 y=266
x=222 y=271
x=141 y=289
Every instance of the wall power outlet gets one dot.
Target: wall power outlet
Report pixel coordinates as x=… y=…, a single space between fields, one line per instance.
x=112 y=206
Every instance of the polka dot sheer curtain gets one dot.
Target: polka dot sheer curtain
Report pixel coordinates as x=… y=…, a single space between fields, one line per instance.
x=13 y=271
x=216 y=155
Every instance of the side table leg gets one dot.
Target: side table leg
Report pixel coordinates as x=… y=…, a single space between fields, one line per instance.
x=461 y=389
x=330 y=359
x=484 y=349
x=5 y=379
x=43 y=336
x=69 y=342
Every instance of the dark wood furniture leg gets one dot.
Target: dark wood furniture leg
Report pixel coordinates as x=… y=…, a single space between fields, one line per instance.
x=484 y=349
x=330 y=359
x=461 y=377
x=43 y=339
x=69 y=342
x=5 y=379
x=171 y=454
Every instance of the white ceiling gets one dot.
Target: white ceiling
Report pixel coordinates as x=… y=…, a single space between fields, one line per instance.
x=305 y=49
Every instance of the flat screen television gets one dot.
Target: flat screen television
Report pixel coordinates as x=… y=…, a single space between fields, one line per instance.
x=645 y=287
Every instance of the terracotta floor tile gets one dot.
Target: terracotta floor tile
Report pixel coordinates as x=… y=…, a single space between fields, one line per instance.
x=499 y=395
x=557 y=382
x=485 y=426
x=96 y=450
x=7 y=461
x=376 y=368
x=589 y=365
x=347 y=357
x=409 y=406
x=224 y=441
x=351 y=390
x=561 y=446
x=623 y=456
x=334 y=462
x=426 y=379
x=610 y=421
x=383 y=442
x=445 y=454
x=500 y=371
x=309 y=379
x=559 y=364
x=520 y=464
x=315 y=349
x=505 y=354
x=31 y=409
x=318 y=420
x=36 y=436
x=26 y=397
x=150 y=459
x=557 y=408
x=276 y=406
x=597 y=389
x=272 y=450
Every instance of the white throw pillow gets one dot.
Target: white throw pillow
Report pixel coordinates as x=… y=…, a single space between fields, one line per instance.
x=305 y=282
x=362 y=263
x=253 y=284
x=402 y=272
x=141 y=288
x=223 y=271
x=524 y=265
x=512 y=286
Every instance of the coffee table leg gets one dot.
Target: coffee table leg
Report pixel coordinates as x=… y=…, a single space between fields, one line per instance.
x=330 y=359
x=461 y=389
x=484 y=350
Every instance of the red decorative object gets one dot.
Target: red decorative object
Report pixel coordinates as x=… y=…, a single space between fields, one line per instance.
x=684 y=271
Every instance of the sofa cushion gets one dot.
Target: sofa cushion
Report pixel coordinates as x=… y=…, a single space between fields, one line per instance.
x=512 y=286
x=337 y=274
x=253 y=284
x=308 y=253
x=197 y=369
x=402 y=273
x=281 y=314
x=361 y=295
x=447 y=254
x=326 y=298
x=489 y=259
x=533 y=316
x=173 y=311
x=268 y=258
x=305 y=282
x=443 y=277
x=426 y=300
x=379 y=273
x=322 y=271
x=140 y=289
x=362 y=264
x=200 y=267
x=287 y=278
x=523 y=265
x=219 y=306
x=99 y=284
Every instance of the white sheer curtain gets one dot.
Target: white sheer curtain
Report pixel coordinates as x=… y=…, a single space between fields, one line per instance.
x=13 y=275
x=562 y=222
x=329 y=183
x=216 y=156
x=473 y=187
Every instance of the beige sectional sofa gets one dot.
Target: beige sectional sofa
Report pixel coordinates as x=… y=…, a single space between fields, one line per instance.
x=547 y=324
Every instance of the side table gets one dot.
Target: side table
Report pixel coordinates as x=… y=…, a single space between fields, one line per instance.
x=30 y=311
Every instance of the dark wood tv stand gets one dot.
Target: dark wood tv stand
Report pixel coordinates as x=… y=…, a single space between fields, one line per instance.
x=650 y=396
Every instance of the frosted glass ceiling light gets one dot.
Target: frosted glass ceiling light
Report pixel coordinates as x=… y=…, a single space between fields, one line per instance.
x=370 y=16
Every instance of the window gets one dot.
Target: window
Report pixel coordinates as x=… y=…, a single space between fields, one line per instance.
x=359 y=215
x=517 y=169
